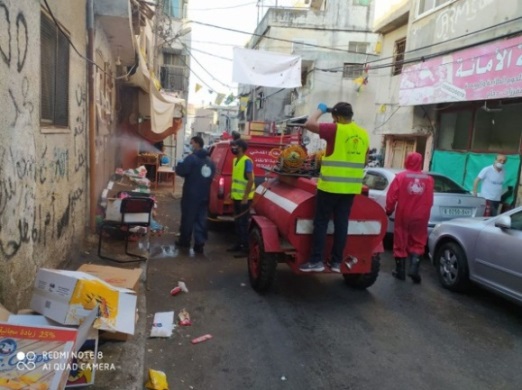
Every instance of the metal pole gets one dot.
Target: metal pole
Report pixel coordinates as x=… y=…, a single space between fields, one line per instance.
x=93 y=199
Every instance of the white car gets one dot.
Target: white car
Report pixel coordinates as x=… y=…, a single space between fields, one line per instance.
x=450 y=199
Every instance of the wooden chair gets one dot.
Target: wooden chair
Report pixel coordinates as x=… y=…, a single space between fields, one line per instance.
x=135 y=211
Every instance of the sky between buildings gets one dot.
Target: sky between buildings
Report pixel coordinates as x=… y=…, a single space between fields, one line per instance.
x=212 y=48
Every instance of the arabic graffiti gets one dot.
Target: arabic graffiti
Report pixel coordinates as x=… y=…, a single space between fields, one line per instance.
x=452 y=18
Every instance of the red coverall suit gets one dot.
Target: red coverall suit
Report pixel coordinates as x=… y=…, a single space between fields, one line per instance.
x=411 y=196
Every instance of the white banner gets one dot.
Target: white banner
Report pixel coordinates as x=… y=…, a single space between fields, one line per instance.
x=266 y=69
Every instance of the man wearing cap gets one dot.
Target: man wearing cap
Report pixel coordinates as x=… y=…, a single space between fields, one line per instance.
x=242 y=193
x=342 y=171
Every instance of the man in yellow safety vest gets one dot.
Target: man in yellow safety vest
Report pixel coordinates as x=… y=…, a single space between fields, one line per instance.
x=242 y=193
x=342 y=171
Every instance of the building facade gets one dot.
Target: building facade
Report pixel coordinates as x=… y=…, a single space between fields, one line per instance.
x=334 y=40
x=68 y=108
x=459 y=86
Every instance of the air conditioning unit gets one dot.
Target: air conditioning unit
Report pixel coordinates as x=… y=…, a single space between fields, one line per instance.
x=289 y=110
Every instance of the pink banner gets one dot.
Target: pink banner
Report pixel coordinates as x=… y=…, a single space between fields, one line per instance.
x=492 y=71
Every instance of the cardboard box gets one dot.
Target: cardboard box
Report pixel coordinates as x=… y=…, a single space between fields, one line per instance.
x=115 y=276
x=35 y=353
x=119 y=277
x=83 y=370
x=68 y=296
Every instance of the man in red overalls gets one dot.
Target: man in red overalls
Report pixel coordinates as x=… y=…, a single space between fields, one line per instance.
x=411 y=196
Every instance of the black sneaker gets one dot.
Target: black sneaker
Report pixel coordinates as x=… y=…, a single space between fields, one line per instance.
x=198 y=248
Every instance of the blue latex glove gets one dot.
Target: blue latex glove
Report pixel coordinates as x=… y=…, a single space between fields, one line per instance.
x=323 y=107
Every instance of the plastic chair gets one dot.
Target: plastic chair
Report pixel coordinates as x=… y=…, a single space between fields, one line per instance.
x=135 y=211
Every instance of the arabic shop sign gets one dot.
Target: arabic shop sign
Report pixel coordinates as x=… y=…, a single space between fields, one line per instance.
x=492 y=71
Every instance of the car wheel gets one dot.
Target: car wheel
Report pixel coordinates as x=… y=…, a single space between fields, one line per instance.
x=261 y=265
x=452 y=267
x=363 y=281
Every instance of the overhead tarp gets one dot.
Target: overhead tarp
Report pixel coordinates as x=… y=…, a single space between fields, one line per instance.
x=266 y=69
x=490 y=71
x=464 y=167
x=163 y=106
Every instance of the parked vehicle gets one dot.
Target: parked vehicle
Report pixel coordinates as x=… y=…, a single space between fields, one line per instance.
x=450 y=199
x=263 y=150
x=486 y=251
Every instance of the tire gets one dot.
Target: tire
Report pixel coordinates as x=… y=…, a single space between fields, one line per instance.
x=363 y=281
x=452 y=267
x=261 y=265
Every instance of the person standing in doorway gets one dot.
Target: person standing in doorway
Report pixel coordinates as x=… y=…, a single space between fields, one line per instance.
x=198 y=170
x=242 y=193
x=341 y=174
x=411 y=197
x=492 y=178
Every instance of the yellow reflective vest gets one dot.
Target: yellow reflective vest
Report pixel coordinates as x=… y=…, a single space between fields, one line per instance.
x=342 y=171
x=239 y=182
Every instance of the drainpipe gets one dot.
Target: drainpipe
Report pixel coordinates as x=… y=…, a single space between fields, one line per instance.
x=92 y=117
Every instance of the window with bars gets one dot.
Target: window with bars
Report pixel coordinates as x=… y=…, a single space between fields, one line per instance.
x=173 y=59
x=398 y=56
x=428 y=5
x=358 y=47
x=173 y=78
x=352 y=71
x=54 y=72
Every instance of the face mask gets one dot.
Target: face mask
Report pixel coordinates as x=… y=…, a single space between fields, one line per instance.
x=191 y=148
x=234 y=151
x=499 y=165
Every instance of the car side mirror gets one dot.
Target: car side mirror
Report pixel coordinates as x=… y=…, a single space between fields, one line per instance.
x=503 y=222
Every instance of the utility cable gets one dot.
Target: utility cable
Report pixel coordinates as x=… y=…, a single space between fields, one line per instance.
x=218 y=8
x=202 y=67
x=272 y=38
x=76 y=50
x=417 y=59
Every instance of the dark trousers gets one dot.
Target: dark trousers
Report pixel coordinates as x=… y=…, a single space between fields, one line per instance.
x=241 y=222
x=193 y=221
x=328 y=204
x=494 y=206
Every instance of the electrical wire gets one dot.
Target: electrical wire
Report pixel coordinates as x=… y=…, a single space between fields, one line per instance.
x=395 y=63
x=202 y=67
x=211 y=54
x=218 y=8
x=76 y=50
x=272 y=38
x=387 y=120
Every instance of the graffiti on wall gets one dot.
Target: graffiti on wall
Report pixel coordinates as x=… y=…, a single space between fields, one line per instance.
x=38 y=194
x=451 y=19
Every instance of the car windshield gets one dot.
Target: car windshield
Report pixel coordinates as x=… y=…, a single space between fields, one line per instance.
x=445 y=185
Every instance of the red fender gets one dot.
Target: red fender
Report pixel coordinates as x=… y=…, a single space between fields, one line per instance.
x=269 y=233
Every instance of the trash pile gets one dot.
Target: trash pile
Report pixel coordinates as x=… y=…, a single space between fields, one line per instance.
x=54 y=344
x=163 y=326
x=124 y=184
